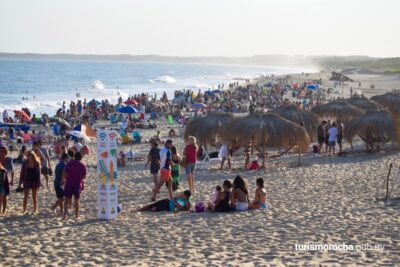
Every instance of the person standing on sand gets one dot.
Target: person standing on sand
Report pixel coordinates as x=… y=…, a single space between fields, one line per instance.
x=165 y=176
x=43 y=154
x=225 y=155
x=333 y=132
x=340 y=128
x=58 y=186
x=30 y=179
x=154 y=159
x=7 y=163
x=326 y=130
x=190 y=154
x=321 y=135
x=73 y=175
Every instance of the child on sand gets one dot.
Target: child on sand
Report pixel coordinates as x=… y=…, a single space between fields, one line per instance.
x=214 y=198
x=260 y=196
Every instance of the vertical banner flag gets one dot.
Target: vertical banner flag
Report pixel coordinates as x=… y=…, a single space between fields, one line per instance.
x=107 y=174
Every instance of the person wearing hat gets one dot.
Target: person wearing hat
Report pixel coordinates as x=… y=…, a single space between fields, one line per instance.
x=165 y=170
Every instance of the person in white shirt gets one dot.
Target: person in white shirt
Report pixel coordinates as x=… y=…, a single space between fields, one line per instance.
x=332 y=132
x=77 y=146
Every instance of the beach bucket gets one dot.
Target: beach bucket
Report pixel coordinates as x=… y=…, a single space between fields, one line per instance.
x=199 y=207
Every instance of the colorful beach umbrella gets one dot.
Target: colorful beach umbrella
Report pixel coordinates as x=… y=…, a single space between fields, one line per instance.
x=131 y=102
x=128 y=110
x=312 y=87
x=22 y=115
x=79 y=134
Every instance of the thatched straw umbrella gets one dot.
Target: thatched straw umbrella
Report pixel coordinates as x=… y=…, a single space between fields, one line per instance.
x=309 y=120
x=340 y=110
x=266 y=129
x=207 y=129
x=380 y=123
x=364 y=103
x=389 y=100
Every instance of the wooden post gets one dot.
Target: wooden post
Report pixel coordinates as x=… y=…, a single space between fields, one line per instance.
x=299 y=157
x=387 y=182
x=263 y=158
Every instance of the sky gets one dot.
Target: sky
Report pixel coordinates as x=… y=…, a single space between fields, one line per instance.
x=201 y=27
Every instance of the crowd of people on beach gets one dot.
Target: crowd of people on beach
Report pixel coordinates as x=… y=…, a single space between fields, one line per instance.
x=69 y=175
x=164 y=164
x=167 y=162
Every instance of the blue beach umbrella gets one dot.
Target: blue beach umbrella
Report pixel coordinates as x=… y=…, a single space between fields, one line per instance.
x=128 y=110
x=199 y=106
x=312 y=87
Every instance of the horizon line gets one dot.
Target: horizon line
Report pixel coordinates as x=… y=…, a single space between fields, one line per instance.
x=174 y=56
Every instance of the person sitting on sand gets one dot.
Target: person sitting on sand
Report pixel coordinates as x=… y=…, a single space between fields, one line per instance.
x=214 y=198
x=222 y=204
x=171 y=133
x=240 y=194
x=260 y=196
x=21 y=155
x=180 y=203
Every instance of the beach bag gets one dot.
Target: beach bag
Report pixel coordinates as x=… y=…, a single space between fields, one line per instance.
x=182 y=162
x=199 y=207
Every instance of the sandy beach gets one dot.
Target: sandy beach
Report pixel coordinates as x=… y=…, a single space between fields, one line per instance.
x=327 y=200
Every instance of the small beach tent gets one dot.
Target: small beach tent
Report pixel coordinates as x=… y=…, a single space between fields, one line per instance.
x=127 y=110
x=22 y=116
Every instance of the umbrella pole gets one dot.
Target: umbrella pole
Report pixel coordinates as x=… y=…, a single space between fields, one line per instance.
x=263 y=158
x=299 y=157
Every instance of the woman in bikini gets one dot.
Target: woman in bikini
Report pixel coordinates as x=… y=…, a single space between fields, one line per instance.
x=260 y=196
x=240 y=194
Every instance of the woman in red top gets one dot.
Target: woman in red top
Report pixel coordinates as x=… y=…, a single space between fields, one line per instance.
x=190 y=153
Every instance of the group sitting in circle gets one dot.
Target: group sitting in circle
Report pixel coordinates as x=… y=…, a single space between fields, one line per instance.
x=230 y=197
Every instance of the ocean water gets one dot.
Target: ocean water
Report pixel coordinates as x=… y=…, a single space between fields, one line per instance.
x=46 y=83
